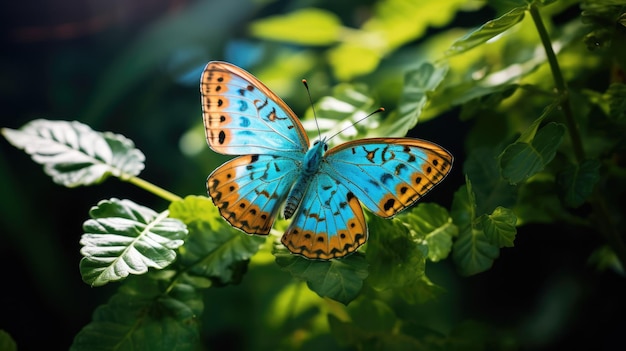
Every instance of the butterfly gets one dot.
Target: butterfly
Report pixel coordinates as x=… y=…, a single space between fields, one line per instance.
x=322 y=189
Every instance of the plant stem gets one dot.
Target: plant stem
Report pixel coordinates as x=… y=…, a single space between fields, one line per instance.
x=560 y=85
x=151 y=188
x=597 y=201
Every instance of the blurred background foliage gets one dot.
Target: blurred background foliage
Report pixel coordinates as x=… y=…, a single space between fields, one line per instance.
x=133 y=68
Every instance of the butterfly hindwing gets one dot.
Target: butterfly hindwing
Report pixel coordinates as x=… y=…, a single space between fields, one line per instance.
x=388 y=174
x=242 y=116
x=329 y=222
x=249 y=190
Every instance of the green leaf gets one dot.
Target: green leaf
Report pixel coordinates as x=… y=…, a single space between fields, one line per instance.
x=372 y=315
x=140 y=316
x=487 y=31
x=214 y=249
x=433 y=224
x=73 y=154
x=490 y=190
x=521 y=160
x=338 y=279
x=463 y=209
x=472 y=251
x=616 y=95
x=499 y=227
x=307 y=26
x=346 y=105
x=397 y=259
x=6 y=341
x=576 y=182
x=123 y=238
x=418 y=85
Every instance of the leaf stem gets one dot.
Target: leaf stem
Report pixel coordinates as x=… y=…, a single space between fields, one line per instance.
x=597 y=201
x=151 y=188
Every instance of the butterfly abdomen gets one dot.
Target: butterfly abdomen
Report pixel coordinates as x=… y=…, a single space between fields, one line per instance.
x=310 y=167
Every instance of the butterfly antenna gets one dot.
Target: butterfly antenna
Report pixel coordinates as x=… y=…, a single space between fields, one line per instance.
x=380 y=109
x=306 y=85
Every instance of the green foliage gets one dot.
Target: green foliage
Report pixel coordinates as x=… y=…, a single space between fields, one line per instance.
x=541 y=142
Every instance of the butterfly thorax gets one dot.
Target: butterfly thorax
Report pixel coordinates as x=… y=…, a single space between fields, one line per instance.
x=310 y=166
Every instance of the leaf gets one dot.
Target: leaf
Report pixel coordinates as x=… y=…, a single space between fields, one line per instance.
x=338 y=279
x=418 y=85
x=308 y=26
x=214 y=249
x=123 y=238
x=73 y=154
x=6 y=341
x=341 y=110
x=490 y=189
x=434 y=224
x=463 y=209
x=141 y=316
x=616 y=96
x=398 y=260
x=576 y=182
x=521 y=160
x=499 y=227
x=472 y=251
x=487 y=31
x=372 y=315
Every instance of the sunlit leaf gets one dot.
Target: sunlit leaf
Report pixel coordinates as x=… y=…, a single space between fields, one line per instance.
x=214 y=249
x=499 y=227
x=433 y=224
x=487 y=31
x=577 y=182
x=521 y=160
x=123 y=238
x=141 y=316
x=307 y=26
x=338 y=279
x=73 y=154
x=418 y=85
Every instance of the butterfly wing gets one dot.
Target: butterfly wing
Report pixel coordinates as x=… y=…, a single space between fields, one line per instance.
x=329 y=223
x=242 y=116
x=249 y=190
x=388 y=174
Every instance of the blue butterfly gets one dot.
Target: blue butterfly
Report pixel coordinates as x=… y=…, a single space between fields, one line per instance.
x=322 y=189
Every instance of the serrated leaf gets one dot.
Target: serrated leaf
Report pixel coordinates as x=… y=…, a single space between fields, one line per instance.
x=487 y=31
x=338 y=279
x=433 y=224
x=214 y=249
x=309 y=26
x=576 y=182
x=123 y=238
x=521 y=160
x=141 y=316
x=73 y=154
x=488 y=186
x=499 y=227
x=398 y=260
x=472 y=252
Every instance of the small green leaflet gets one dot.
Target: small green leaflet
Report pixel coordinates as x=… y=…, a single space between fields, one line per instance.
x=123 y=238
x=338 y=279
x=487 y=31
x=433 y=224
x=576 y=182
x=214 y=249
x=73 y=154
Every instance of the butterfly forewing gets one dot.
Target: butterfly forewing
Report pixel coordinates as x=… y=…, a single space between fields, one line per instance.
x=242 y=116
x=388 y=174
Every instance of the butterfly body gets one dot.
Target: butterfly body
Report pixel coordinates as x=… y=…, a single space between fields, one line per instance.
x=322 y=189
